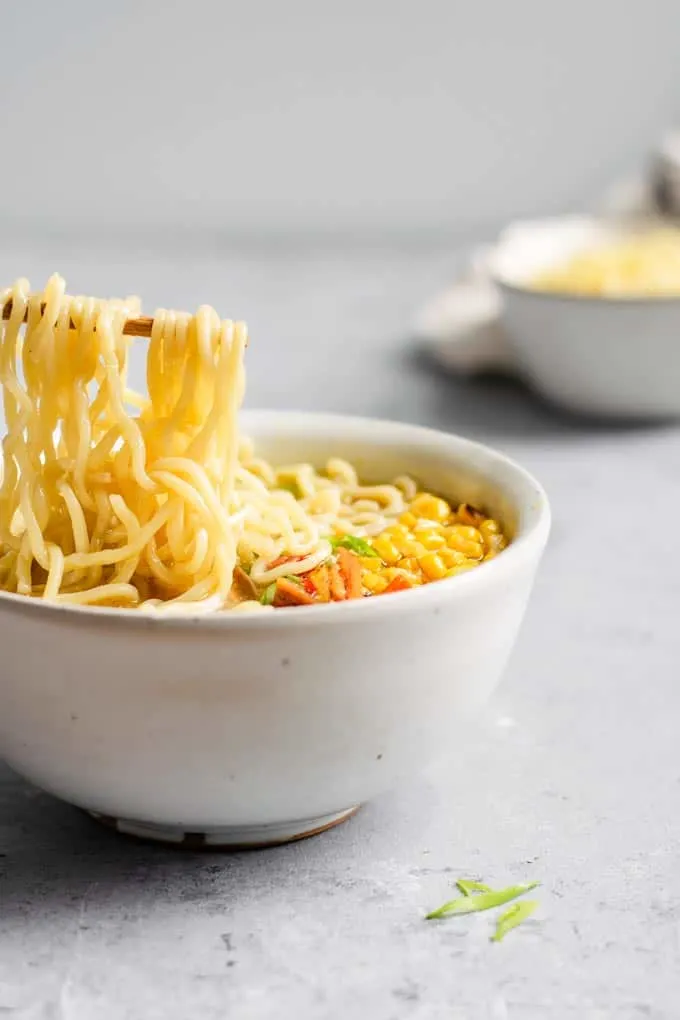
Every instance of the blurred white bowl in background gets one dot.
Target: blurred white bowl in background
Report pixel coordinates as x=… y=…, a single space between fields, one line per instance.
x=613 y=356
x=603 y=356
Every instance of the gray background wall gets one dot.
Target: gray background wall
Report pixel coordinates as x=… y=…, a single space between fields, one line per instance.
x=305 y=116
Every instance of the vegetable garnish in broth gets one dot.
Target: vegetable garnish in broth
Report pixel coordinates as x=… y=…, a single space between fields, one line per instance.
x=377 y=539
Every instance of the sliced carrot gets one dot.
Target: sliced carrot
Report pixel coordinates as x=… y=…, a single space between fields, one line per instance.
x=288 y=593
x=280 y=560
x=350 y=569
x=337 y=584
x=397 y=584
x=321 y=582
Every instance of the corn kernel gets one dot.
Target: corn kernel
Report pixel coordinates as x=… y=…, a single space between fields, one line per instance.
x=429 y=538
x=427 y=524
x=408 y=519
x=369 y=563
x=452 y=558
x=373 y=582
x=465 y=531
x=392 y=572
x=429 y=542
x=396 y=530
x=466 y=540
x=432 y=566
x=386 y=549
x=411 y=564
x=432 y=507
x=408 y=546
x=462 y=569
x=489 y=527
x=496 y=543
x=469 y=515
x=493 y=537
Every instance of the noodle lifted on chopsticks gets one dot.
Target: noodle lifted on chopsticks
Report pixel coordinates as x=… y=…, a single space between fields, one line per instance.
x=97 y=505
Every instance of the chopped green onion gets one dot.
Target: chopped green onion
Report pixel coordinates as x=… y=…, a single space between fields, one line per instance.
x=512 y=917
x=357 y=545
x=267 y=596
x=468 y=887
x=467 y=904
x=296 y=579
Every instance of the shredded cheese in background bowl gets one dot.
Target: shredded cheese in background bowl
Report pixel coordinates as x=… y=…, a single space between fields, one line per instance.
x=644 y=263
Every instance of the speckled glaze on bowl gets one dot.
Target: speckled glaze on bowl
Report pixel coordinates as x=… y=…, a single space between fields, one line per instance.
x=235 y=730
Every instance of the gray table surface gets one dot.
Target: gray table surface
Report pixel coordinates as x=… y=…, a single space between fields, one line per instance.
x=572 y=776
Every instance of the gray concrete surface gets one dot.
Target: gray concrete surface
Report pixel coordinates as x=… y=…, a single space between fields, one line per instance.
x=571 y=777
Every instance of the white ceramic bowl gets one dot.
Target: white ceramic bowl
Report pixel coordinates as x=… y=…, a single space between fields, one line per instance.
x=617 y=357
x=241 y=730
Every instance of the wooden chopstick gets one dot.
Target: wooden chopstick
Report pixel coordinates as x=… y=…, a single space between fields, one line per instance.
x=133 y=327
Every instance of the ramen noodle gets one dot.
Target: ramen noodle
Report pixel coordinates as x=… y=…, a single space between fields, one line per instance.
x=112 y=498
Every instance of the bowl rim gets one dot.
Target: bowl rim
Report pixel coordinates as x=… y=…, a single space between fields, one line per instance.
x=528 y=544
x=602 y=300
x=626 y=224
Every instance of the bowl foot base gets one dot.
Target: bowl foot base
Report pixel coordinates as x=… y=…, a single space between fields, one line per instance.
x=229 y=837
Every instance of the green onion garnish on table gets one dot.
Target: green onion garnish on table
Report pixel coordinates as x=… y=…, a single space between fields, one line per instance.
x=477 y=897
x=468 y=887
x=512 y=917
x=486 y=899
